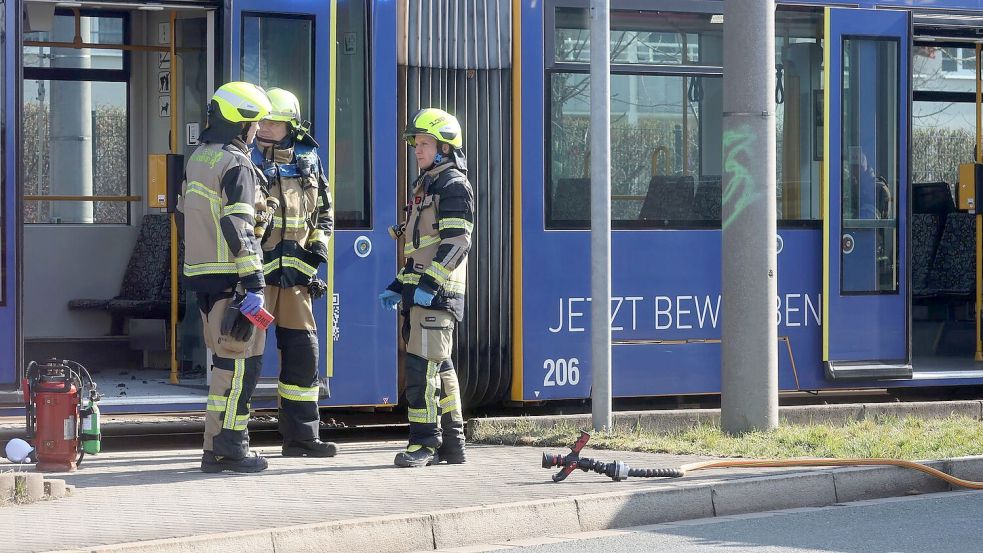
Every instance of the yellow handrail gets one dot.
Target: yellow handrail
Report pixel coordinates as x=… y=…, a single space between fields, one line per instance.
x=62 y=198
x=175 y=379
x=655 y=159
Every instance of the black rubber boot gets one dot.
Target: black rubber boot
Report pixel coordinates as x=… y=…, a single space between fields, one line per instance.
x=252 y=462
x=452 y=454
x=416 y=456
x=309 y=448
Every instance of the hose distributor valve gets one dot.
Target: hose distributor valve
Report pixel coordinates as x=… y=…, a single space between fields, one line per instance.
x=616 y=470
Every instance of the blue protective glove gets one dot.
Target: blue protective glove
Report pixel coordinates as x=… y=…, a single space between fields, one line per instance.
x=389 y=300
x=252 y=303
x=422 y=297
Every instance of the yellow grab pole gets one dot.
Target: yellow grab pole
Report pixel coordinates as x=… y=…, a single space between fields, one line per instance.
x=979 y=216
x=174 y=245
x=517 y=329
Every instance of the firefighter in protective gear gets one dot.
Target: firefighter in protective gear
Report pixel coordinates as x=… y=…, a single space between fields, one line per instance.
x=219 y=198
x=436 y=238
x=297 y=226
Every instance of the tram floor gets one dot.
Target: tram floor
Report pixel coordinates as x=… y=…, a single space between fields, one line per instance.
x=945 y=363
x=129 y=383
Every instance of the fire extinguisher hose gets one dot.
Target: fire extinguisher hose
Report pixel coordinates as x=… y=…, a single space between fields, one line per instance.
x=779 y=463
x=618 y=470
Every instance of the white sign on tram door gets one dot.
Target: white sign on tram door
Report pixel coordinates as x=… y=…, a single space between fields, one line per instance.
x=191 y=134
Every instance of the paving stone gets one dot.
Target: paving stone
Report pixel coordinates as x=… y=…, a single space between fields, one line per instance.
x=6 y=487
x=54 y=488
x=160 y=495
x=31 y=485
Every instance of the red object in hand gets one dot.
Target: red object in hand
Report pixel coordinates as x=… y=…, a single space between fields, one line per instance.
x=261 y=319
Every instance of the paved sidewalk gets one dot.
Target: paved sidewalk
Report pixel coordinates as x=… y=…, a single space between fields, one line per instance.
x=136 y=496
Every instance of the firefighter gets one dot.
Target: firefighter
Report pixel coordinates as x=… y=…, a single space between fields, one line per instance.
x=298 y=224
x=436 y=238
x=219 y=198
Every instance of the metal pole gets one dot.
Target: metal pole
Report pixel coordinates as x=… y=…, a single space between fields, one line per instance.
x=749 y=376
x=600 y=214
x=175 y=71
x=71 y=128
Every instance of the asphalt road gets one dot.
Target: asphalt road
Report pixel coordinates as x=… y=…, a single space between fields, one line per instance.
x=936 y=523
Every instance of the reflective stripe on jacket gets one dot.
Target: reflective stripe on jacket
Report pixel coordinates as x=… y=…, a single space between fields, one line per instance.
x=437 y=238
x=298 y=230
x=219 y=198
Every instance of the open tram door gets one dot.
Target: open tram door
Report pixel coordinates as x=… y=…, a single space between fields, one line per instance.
x=322 y=51
x=287 y=45
x=865 y=268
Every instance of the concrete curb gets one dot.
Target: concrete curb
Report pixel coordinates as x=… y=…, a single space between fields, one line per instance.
x=31 y=487
x=587 y=513
x=684 y=419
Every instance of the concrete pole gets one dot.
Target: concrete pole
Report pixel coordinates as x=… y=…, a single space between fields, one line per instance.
x=70 y=170
x=749 y=378
x=600 y=213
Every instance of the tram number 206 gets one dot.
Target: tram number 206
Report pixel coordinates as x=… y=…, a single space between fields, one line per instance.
x=561 y=372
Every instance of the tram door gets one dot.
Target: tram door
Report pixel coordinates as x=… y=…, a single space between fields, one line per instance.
x=865 y=288
x=318 y=51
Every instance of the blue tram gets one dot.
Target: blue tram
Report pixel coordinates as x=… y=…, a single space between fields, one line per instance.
x=878 y=161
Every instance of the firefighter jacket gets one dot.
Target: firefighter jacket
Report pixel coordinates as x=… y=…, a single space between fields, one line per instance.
x=300 y=216
x=219 y=198
x=436 y=238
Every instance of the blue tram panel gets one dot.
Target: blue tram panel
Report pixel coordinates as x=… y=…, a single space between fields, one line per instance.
x=669 y=293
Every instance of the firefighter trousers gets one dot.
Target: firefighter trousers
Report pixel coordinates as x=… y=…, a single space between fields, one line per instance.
x=235 y=372
x=296 y=338
x=432 y=390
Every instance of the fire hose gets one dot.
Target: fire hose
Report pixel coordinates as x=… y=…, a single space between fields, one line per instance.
x=619 y=470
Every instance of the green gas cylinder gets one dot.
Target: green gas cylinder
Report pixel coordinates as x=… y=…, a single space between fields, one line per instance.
x=91 y=433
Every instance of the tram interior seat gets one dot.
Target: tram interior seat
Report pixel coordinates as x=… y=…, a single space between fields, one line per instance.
x=146 y=288
x=953 y=272
x=932 y=197
x=707 y=201
x=924 y=243
x=943 y=242
x=571 y=202
x=669 y=198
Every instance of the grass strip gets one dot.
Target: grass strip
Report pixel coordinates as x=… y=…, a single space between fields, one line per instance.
x=908 y=438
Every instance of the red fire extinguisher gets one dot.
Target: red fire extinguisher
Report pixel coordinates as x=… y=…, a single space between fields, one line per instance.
x=53 y=396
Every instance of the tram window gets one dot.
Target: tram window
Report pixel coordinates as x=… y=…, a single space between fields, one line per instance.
x=70 y=93
x=943 y=112
x=642 y=37
x=958 y=60
x=799 y=114
x=944 y=69
x=665 y=148
x=869 y=161
x=277 y=51
x=92 y=30
x=352 y=197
